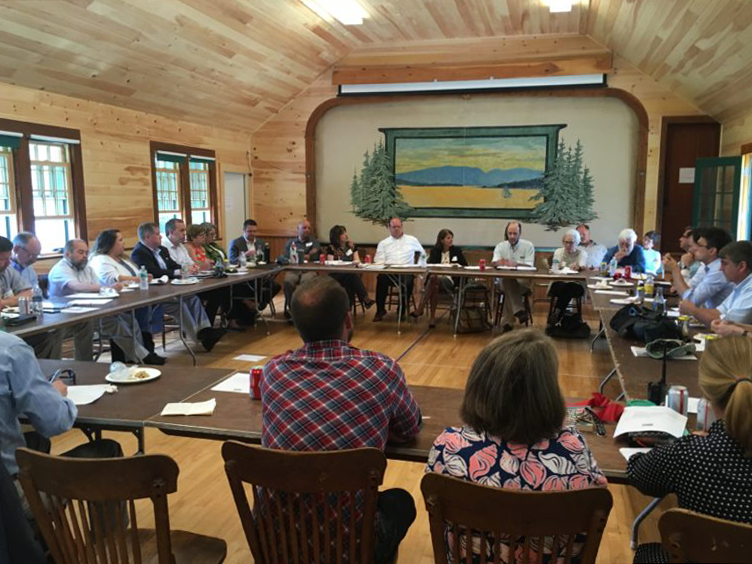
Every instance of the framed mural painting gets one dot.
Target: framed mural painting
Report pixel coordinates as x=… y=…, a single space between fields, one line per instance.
x=473 y=172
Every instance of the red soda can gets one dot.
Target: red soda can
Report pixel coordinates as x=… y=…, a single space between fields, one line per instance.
x=482 y=265
x=322 y=258
x=256 y=373
x=367 y=258
x=627 y=271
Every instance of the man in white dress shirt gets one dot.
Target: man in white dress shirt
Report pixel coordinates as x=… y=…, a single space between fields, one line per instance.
x=595 y=251
x=73 y=275
x=26 y=251
x=398 y=248
x=513 y=251
x=174 y=239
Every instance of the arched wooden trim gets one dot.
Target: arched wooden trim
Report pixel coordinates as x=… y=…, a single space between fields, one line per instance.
x=638 y=211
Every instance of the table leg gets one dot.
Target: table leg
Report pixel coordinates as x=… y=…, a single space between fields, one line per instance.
x=635 y=536
x=258 y=291
x=605 y=380
x=399 y=304
x=100 y=348
x=460 y=300
x=601 y=332
x=182 y=334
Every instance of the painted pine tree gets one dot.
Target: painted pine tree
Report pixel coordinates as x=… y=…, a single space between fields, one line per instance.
x=380 y=198
x=586 y=198
x=356 y=193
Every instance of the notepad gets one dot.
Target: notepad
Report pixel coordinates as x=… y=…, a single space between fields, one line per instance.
x=187 y=408
x=239 y=383
x=249 y=357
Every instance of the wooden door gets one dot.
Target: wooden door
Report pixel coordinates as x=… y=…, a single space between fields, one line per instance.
x=684 y=140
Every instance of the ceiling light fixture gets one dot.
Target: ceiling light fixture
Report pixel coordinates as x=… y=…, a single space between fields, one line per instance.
x=347 y=12
x=559 y=6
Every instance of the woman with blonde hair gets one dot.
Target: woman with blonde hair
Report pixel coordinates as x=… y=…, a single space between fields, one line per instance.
x=710 y=474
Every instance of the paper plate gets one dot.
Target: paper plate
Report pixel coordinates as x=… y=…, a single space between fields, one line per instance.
x=152 y=374
x=186 y=282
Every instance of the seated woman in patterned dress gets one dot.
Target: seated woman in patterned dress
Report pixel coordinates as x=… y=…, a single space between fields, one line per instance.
x=514 y=434
x=712 y=473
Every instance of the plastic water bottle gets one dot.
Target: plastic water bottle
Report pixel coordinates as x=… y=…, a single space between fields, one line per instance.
x=242 y=260
x=143 y=278
x=37 y=300
x=649 y=286
x=659 y=302
x=252 y=256
x=612 y=266
x=293 y=254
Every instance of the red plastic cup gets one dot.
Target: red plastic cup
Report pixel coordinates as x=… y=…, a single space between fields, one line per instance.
x=627 y=271
x=256 y=373
x=482 y=265
x=322 y=258
x=367 y=258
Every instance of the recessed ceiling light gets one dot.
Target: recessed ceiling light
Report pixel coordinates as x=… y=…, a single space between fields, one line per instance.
x=558 y=6
x=347 y=12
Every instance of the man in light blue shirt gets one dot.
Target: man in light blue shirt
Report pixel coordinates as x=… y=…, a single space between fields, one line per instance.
x=709 y=287
x=26 y=251
x=513 y=251
x=595 y=251
x=736 y=263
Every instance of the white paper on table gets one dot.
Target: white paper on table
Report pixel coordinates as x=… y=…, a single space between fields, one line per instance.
x=525 y=267
x=79 y=309
x=249 y=357
x=472 y=268
x=700 y=346
x=187 y=408
x=91 y=296
x=622 y=301
x=84 y=395
x=404 y=266
x=605 y=278
x=338 y=263
x=628 y=452
x=612 y=292
x=240 y=382
x=375 y=266
x=90 y=302
x=504 y=267
x=641 y=351
x=565 y=270
x=691 y=404
x=640 y=419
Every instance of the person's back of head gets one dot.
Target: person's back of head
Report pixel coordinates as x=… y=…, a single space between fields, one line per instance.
x=726 y=380
x=319 y=308
x=513 y=392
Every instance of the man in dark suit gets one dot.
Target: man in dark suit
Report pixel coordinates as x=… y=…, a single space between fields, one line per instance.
x=150 y=254
x=243 y=245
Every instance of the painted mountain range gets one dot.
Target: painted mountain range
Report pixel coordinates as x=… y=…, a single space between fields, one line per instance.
x=467 y=176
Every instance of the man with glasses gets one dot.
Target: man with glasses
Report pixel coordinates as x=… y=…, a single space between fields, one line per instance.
x=708 y=287
x=26 y=251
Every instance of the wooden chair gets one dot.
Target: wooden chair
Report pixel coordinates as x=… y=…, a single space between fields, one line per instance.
x=499 y=297
x=304 y=502
x=83 y=507
x=522 y=521
x=691 y=537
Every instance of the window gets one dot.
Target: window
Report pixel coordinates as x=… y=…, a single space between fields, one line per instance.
x=184 y=184
x=41 y=183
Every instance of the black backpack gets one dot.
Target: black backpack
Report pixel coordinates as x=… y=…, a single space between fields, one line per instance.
x=637 y=322
x=569 y=326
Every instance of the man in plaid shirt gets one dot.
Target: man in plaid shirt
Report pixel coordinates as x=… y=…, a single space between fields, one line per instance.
x=329 y=395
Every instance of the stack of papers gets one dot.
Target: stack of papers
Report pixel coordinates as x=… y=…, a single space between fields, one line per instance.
x=186 y=408
x=93 y=295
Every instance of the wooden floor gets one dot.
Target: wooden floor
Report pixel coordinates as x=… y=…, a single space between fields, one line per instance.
x=204 y=504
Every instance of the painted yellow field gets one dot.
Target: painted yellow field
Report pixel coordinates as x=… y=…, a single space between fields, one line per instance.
x=466 y=197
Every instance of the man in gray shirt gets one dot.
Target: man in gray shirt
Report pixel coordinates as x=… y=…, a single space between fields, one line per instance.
x=514 y=252
x=12 y=287
x=26 y=250
x=73 y=274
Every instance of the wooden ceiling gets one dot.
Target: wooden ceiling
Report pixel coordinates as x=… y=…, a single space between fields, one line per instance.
x=235 y=63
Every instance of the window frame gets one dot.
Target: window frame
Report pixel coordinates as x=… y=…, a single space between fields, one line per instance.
x=21 y=168
x=184 y=177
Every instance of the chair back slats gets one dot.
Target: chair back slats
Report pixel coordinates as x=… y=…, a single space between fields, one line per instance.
x=307 y=506
x=692 y=537
x=481 y=523
x=86 y=508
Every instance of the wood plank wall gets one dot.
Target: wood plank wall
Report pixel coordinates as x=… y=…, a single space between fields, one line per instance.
x=735 y=133
x=116 y=157
x=279 y=152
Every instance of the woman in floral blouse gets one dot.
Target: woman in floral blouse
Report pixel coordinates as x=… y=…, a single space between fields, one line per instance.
x=514 y=434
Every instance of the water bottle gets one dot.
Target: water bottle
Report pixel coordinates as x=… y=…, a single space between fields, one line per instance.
x=659 y=302
x=612 y=266
x=37 y=301
x=604 y=269
x=143 y=278
x=242 y=260
x=293 y=253
x=265 y=256
x=649 y=286
x=252 y=256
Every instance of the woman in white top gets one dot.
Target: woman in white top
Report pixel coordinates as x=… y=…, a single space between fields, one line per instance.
x=111 y=267
x=569 y=255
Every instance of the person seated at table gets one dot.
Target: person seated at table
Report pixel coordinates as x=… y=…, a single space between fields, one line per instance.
x=653 y=264
x=254 y=248
x=361 y=398
x=342 y=248
x=26 y=250
x=112 y=267
x=709 y=473
x=174 y=241
x=306 y=249
x=687 y=262
x=573 y=257
x=12 y=287
x=72 y=275
x=595 y=251
x=398 y=248
x=513 y=251
x=709 y=287
x=443 y=252
x=513 y=419
x=627 y=252
x=195 y=237
x=26 y=391
x=736 y=265
x=213 y=249
x=150 y=254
